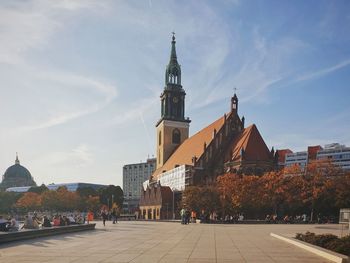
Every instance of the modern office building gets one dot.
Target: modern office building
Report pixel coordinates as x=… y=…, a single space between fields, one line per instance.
x=339 y=154
x=134 y=176
x=72 y=187
x=297 y=158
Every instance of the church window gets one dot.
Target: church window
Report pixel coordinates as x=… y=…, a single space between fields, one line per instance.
x=160 y=138
x=176 y=136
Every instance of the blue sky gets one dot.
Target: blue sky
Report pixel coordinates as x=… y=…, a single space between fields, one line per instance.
x=80 y=80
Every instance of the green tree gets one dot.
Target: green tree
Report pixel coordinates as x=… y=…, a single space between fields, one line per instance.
x=110 y=195
x=8 y=201
x=38 y=189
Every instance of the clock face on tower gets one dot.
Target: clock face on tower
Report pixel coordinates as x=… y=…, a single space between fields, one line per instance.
x=175 y=99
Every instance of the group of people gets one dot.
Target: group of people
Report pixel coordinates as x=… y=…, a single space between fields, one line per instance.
x=9 y=225
x=107 y=215
x=35 y=222
x=187 y=216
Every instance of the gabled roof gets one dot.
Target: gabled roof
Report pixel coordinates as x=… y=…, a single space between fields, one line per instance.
x=282 y=154
x=253 y=145
x=249 y=139
x=192 y=146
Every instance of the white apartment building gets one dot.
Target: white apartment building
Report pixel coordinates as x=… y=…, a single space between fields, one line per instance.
x=339 y=154
x=133 y=177
x=298 y=158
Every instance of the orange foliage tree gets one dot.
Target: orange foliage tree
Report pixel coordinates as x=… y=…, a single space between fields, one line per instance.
x=29 y=201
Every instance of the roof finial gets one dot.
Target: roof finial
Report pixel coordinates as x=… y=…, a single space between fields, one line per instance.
x=235 y=89
x=17 y=160
x=173 y=35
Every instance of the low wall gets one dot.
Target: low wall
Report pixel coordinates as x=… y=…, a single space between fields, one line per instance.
x=36 y=233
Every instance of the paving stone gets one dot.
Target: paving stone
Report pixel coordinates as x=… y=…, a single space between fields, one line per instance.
x=135 y=241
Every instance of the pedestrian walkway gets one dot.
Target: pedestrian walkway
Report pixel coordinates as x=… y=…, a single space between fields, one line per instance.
x=133 y=241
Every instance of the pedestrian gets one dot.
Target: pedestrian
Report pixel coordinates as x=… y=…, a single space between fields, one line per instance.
x=104 y=215
x=114 y=215
x=183 y=215
x=90 y=217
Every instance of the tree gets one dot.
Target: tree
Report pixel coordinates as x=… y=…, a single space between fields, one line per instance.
x=38 y=189
x=29 y=201
x=110 y=195
x=8 y=201
x=61 y=200
x=198 y=198
x=86 y=192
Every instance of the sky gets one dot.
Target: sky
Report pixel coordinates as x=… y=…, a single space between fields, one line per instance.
x=81 y=79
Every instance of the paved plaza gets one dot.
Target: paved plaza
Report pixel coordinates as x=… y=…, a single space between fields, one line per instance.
x=137 y=241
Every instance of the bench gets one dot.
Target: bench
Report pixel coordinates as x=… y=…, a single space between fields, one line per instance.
x=43 y=232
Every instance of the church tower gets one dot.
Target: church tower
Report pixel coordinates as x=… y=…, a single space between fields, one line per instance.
x=173 y=127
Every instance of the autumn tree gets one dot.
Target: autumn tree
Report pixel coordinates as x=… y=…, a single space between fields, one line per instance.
x=29 y=201
x=198 y=198
x=38 y=189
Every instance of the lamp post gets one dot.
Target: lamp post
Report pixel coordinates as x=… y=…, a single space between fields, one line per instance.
x=112 y=200
x=167 y=206
x=173 y=204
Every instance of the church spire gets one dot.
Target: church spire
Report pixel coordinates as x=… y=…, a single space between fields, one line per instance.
x=17 y=160
x=173 y=57
x=173 y=70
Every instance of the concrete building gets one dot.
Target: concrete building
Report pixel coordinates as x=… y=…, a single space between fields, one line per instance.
x=339 y=154
x=297 y=158
x=72 y=187
x=133 y=177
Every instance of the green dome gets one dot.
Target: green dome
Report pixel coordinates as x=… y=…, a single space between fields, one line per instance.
x=17 y=175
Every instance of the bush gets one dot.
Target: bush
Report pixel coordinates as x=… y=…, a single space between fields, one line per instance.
x=327 y=241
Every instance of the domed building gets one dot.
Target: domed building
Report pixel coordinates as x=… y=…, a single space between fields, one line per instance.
x=16 y=175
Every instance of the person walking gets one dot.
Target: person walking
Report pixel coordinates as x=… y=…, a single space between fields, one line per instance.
x=90 y=217
x=104 y=215
x=114 y=215
x=183 y=215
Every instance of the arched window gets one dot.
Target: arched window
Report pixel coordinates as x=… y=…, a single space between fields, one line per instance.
x=176 y=136
x=160 y=138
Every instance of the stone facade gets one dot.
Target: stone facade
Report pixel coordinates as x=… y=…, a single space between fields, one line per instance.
x=156 y=203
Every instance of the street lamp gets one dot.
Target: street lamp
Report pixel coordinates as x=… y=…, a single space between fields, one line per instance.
x=167 y=206
x=173 y=204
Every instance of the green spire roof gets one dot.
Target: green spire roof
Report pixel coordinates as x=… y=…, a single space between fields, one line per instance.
x=173 y=70
x=173 y=57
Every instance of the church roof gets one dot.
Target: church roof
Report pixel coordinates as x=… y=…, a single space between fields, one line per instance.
x=252 y=143
x=249 y=140
x=192 y=146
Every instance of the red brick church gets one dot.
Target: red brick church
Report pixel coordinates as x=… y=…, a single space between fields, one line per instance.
x=225 y=145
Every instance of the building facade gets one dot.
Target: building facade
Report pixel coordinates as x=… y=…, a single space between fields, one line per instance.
x=71 y=187
x=172 y=128
x=337 y=153
x=133 y=177
x=225 y=145
x=16 y=176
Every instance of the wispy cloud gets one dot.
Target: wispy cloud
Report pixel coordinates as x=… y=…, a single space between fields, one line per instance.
x=108 y=92
x=30 y=24
x=79 y=156
x=322 y=72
